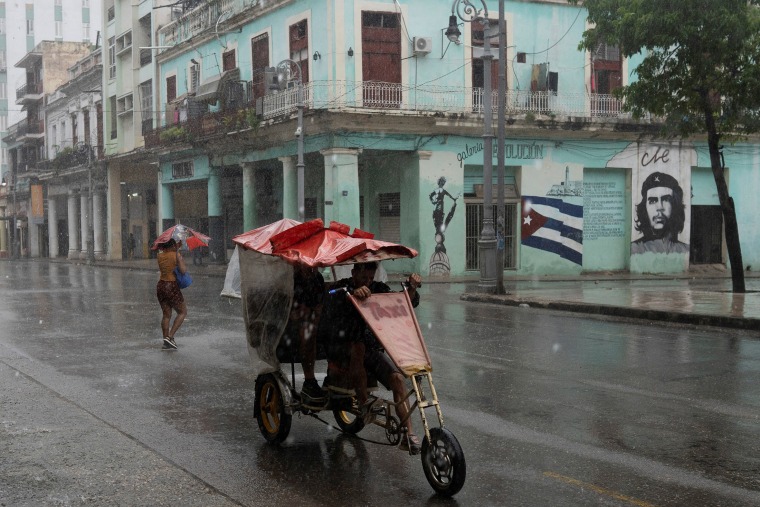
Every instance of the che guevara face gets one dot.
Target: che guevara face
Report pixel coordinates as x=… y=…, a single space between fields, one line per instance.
x=659 y=208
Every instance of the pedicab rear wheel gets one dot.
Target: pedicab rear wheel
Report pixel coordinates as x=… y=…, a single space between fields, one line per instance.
x=443 y=462
x=348 y=422
x=269 y=410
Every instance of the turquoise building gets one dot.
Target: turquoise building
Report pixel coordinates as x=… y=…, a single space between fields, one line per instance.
x=392 y=137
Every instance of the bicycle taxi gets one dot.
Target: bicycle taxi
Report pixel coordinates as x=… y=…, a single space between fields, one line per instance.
x=267 y=257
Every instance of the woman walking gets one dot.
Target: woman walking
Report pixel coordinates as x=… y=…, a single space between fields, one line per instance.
x=168 y=292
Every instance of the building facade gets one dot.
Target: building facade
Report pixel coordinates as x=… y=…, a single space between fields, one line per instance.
x=24 y=201
x=205 y=131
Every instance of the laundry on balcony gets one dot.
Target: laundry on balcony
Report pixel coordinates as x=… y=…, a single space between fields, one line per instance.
x=210 y=88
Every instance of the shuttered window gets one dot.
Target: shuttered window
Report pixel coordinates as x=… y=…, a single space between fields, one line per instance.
x=390 y=217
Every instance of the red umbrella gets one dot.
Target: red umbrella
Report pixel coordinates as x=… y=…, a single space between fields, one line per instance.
x=190 y=237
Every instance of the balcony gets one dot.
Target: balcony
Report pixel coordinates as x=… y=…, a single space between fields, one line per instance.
x=30 y=92
x=543 y=108
x=68 y=158
x=30 y=130
x=428 y=100
x=200 y=20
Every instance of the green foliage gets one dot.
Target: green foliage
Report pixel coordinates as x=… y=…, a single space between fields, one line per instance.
x=699 y=60
x=174 y=134
x=241 y=119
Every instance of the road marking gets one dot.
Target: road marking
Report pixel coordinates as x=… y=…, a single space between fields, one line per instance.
x=598 y=489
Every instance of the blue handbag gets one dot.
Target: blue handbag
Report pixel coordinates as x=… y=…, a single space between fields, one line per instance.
x=183 y=279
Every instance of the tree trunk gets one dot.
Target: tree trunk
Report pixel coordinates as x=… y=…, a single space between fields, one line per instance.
x=726 y=205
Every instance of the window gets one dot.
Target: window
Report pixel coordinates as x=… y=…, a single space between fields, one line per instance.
x=58 y=2
x=86 y=126
x=146 y=105
x=59 y=29
x=299 y=47
x=259 y=64
x=2 y=26
x=112 y=105
x=30 y=27
x=53 y=136
x=3 y=123
x=74 y=129
x=3 y=90
x=171 y=88
x=182 y=170
x=85 y=3
x=85 y=32
x=228 y=60
x=112 y=58
x=3 y=62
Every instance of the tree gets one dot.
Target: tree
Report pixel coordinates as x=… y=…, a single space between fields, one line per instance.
x=700 y=72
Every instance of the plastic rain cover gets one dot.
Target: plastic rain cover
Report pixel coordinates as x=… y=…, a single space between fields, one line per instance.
x=267 y=294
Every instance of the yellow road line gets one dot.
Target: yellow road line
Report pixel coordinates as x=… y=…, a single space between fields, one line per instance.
x=599 y=489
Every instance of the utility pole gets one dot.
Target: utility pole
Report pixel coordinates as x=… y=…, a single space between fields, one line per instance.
x=500 y=132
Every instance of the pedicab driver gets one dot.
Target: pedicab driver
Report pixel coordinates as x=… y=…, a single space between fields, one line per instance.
x=354 y=350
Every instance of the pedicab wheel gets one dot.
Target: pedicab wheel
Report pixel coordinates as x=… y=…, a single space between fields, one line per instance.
x=269 y=410
x=348 y=422
x=443 y=462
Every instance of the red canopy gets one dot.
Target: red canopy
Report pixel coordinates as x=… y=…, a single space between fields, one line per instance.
x=258 y=239
x=312 y=244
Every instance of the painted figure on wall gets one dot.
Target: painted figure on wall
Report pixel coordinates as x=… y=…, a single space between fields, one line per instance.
x=439 y=262
x=660 y=216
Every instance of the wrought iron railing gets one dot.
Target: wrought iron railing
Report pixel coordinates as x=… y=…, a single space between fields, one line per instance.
x=387 y=97
x=201 y=20
x=337 y=95
x=29 y=89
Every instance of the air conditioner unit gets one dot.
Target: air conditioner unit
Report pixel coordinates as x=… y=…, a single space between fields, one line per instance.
x=422 y=45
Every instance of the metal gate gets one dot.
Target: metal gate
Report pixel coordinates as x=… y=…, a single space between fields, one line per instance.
x=473 y=226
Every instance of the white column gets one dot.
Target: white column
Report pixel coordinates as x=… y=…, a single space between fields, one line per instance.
x=73 y=222
x=83 y=197
x=52 y=228
x=97 y=222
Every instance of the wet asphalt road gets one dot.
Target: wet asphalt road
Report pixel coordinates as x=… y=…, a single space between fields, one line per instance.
x=550 y=408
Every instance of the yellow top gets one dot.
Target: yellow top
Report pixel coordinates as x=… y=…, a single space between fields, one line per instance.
x=167 y=261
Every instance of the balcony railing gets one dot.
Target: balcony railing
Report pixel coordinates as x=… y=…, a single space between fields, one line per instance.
x=200 y=20
x=390 y=98
x=336 y=95
x=26 y=128
x=29 y=89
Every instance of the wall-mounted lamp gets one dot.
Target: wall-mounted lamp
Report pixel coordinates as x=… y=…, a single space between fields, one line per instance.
x=350 y=52
x=317 y=56
x=4 y=183
x=193 y=61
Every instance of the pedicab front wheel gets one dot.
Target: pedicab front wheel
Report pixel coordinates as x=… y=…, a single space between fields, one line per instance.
x=443 y=462
x=348 y=422
x=269 y=410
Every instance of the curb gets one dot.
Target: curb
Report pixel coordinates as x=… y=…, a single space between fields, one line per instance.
x=617 y=311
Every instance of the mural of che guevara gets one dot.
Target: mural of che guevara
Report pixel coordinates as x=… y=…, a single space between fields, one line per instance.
x=660 y=216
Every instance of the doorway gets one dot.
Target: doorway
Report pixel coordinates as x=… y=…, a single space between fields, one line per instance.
x=706 y=235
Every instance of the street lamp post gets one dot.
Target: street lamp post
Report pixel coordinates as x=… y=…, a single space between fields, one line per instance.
x=285 y=74
x=467 y=11
x=500 y=125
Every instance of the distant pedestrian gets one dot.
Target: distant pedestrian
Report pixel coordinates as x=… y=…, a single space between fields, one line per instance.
x=131 y=246
x=198 y=256
x=167 y=290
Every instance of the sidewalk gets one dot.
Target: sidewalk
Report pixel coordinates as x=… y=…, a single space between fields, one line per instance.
x=702 y=296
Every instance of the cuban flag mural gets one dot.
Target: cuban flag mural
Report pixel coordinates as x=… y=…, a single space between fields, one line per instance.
x=554 y=226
